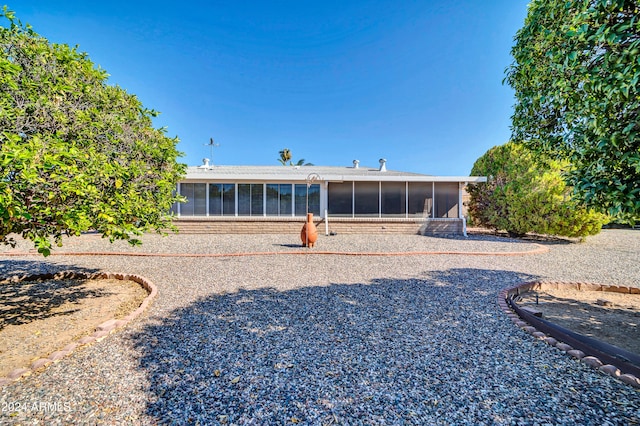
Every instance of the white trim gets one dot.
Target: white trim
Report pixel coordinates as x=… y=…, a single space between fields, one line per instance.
x=326 y=223
x=406 y=199
x=299 y=175
x=460 y=199
x=433 y=200
x=235 y=201
x=353 y=199
x=284 y=179
x=264 y=199
x=379 y=199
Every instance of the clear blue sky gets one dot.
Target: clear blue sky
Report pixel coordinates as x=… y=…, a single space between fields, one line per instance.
x=416 y=82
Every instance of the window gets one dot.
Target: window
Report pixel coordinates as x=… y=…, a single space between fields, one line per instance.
x=222 y=199
x=420 y=199
x=301 y=199
x=278 y=199
x=314 y=199
x=393 y=198
x=196 y=194
x=244 y=200
x=250 y=199
x=285 y=200
x=366 y=199
x=257 y=199
x=273 y=199
x=446 y=199
x=340 y=198
x=215 y=199
x=228 y=199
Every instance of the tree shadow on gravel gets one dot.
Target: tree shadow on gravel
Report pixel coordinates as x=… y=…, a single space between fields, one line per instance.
x=22 y=302
x=527 y=238
x=386 y=351
x=17 y=267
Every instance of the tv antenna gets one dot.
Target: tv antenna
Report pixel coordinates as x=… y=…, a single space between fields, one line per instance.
x=212 y=145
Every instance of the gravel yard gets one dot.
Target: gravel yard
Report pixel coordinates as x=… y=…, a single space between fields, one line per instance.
x=328 y=339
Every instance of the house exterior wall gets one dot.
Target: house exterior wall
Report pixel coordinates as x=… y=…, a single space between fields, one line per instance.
x=247 y=225
x=244 y=199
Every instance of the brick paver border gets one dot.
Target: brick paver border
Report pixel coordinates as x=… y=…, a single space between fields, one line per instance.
x=101 y=331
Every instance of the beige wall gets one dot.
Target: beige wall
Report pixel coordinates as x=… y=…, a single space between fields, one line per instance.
x=339 y=226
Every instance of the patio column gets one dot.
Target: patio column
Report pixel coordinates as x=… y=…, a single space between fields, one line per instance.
x=460 y=186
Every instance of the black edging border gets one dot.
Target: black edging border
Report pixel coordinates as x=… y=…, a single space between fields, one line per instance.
x=586 y=357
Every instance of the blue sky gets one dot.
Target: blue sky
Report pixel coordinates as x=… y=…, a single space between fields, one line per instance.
x=416 y=82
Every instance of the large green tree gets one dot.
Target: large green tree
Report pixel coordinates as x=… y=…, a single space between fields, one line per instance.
x=524 y=193
x=576 y=75
x=75 y=153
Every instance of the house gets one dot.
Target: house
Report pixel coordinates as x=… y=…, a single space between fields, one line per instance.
x=354 y=199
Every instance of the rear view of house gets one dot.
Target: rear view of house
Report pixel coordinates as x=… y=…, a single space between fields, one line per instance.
x=355 y=199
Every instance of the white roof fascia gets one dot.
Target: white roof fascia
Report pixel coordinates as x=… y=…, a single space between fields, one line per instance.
x=326 y=174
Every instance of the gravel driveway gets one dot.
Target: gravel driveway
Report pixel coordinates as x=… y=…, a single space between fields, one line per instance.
x=329 y=339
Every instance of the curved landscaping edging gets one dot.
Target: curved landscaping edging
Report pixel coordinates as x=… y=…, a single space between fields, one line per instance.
x=101 y=331
x=587 y=358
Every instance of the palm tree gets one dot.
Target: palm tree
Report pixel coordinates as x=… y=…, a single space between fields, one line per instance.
x=285 y=155
x=302 y=163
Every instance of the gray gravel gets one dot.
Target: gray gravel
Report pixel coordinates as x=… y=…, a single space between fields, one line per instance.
x=326 y=339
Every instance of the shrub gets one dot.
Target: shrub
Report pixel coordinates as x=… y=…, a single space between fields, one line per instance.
x=527 y=194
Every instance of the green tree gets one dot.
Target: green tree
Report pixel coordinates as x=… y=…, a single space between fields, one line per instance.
x=576 y=75
x=75 y=153
x=523 y=194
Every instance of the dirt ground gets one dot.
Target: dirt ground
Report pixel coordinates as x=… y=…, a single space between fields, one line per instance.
x=41 y=317
x=615 y=319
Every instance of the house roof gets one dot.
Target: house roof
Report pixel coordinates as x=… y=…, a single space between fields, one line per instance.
x=321 y=173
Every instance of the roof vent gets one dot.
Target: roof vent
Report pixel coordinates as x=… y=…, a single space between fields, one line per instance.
x=383 y=165
x=356 y=164
x=205 y=163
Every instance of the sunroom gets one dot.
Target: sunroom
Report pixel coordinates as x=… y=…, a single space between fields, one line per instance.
x=275 y=199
